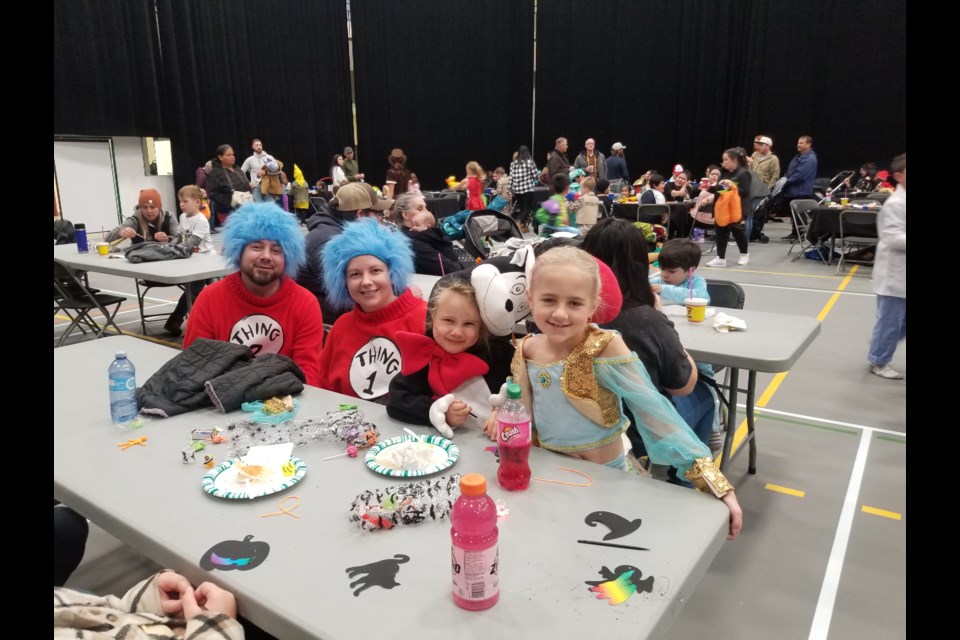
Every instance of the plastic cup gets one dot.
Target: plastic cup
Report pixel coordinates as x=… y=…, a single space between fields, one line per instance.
x=696 y=310
x=103 y=248
x=844 y=202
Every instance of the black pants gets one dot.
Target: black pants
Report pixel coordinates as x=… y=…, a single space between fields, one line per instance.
x=723 y=235
x=70 y=531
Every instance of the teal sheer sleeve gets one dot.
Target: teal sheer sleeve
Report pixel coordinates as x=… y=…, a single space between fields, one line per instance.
x=668 y=439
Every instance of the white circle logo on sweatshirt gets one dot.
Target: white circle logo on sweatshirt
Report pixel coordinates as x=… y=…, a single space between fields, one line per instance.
x=373 y=366
x=261 y=333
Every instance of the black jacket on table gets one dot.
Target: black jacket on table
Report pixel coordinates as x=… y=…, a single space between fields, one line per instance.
x=433 y=252
x=410 y=396
x=221 y=374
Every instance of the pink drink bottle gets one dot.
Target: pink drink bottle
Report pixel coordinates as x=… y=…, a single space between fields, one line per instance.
x=474 y=557
x=513 y=441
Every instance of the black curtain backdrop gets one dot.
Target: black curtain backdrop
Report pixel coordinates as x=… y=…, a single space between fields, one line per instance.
x=246 y=69
x=105 y=61
x=682 y=80
x=448 y=81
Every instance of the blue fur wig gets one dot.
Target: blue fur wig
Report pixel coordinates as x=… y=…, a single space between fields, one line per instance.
x=264 y=221
x=365 y=237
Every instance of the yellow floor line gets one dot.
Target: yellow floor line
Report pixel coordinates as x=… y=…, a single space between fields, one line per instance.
x=786 y=490
x=893 y=515
x=741 y=433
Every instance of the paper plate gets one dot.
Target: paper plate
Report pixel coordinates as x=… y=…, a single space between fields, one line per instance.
x=222 y=482
x=445 y=455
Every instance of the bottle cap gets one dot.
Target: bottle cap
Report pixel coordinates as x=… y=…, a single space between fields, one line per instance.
x=121 y=354
x=513 y=391
x=79 y=225
x=473 y=484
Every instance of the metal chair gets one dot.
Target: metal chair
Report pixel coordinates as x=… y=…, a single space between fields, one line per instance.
x=800 y=213
x=725 y=293
x=858 y=230
x=143 y=287
x=705 y=219
x=72 y=296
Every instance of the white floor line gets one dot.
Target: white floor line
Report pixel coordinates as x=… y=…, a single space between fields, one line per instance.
x=830 y=291
x=863 y=427
x=820 y=627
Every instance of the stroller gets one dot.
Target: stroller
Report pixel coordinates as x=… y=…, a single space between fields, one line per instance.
x=762 y=210
x=484 y=227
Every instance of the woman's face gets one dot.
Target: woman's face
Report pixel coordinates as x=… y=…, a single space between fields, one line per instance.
x=227 y=158
x=730 y=164
x=417 y=205
x=340 y=161
x=368 y=282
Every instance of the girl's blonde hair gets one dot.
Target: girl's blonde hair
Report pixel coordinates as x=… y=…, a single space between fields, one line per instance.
x=190 y=191
x=570 y=257
x=463 y=288
x=474 y=169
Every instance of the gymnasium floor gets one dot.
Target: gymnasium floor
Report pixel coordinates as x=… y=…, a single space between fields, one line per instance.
x=823 y=548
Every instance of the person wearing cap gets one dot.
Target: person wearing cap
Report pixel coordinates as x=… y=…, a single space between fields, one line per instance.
x=617 y=172
x=433 y=252
x=148 y=222
x=592 y=162
x=350 y=167
x=398 y=176
x=260 y=305
x=353 y=200
x=366 y=269
x=763 y=162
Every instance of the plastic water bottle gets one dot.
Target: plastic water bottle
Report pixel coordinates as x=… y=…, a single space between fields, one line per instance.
x=827 y=199
x=80 y=234
x=513 y=441
x=123 y=389
x=475 y=561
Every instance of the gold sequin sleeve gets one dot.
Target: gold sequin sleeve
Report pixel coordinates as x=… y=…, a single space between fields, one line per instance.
x=707 y=477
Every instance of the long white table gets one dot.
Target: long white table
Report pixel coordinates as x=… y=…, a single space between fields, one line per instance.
x=772 y=343
x=199 y=266
x=148 y=498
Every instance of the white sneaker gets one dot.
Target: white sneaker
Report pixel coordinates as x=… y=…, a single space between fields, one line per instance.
x=717 y=262
x=744 y=259
x=886 y=372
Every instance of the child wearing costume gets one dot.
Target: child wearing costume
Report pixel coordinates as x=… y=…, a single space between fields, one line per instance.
x=553 y=215
x=475 y=177
x=367 y=266
x=446 y=374
x=576 y=379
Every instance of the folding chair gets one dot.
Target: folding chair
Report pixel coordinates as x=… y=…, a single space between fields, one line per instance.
x=705 y=219
x=72 y=296
x=858 y=229
x=143 y=287
x=800 y=213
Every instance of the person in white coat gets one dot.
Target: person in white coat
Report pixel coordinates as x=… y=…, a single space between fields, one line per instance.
x=890 y=276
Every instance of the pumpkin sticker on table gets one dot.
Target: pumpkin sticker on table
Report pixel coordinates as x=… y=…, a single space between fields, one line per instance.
x=241 y=555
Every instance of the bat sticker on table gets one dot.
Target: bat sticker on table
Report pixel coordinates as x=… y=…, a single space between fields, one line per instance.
x=382 y=573
x=624 y=581
x=241 y=555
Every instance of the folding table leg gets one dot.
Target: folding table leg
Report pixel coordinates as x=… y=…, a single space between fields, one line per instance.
x=751 y=427
x=731 y=417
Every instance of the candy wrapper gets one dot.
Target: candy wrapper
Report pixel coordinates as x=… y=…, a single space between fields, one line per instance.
x=405 y=503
